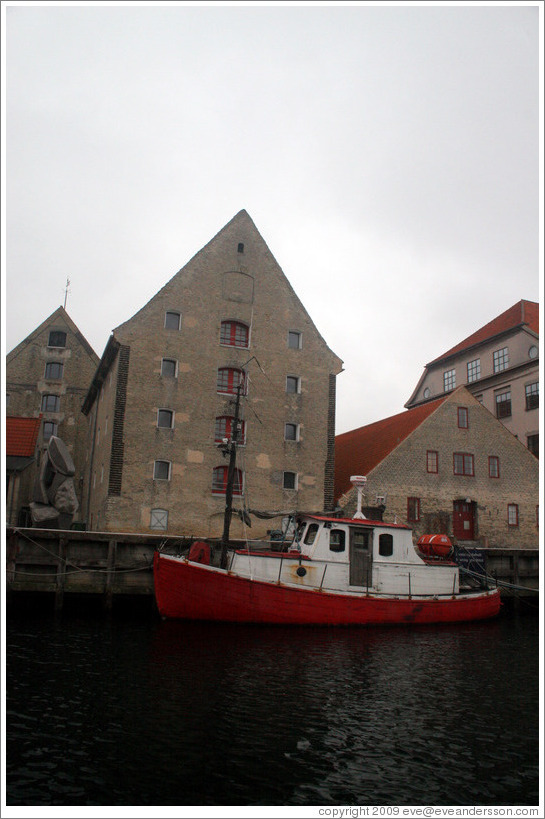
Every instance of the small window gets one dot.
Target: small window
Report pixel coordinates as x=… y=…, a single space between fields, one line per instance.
x=310 y=536
x=449 y=380
x=337 y=539
x=464 y=464
x=224 y=429
x=513 y=514
x=293 y=384
x=533 y=351
x=532 y=396
x=432 y=461
x=240 y=248
x=386 y=545
x=463 y=418
x=161 y=471
x=57 y=338
x=172 y=320
x=291 y=432
x=294 y=340
x=290 y=480
x=169 y=367
x=53 y=371
x=219 y=481
x=473 y=370
x=501 y=359
x=503 y=404
x=493 y=466
x=50 y=428
x=229 y=379
x=165 y=418
x=533 y=444
x=427 y=392
x=51 y=403
x=234 y=334
x=413 y=509
x=158 y=519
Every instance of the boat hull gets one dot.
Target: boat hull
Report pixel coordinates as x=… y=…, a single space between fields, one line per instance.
x=191 y=591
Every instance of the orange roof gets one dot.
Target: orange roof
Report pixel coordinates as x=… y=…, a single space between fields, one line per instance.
x=357 y=452
x=523 y=312
x=22 y=435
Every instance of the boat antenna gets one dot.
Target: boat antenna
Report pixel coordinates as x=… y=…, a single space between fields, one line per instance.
x=231 y=472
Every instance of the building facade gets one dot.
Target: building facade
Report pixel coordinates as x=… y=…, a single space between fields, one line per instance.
x=23 y=446
x=499 y=364
x=447 y=466
x=48 y=375
x=162 y=403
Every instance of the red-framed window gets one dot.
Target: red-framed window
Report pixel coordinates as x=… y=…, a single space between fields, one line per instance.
x=512 y=514
x=464 y=464
x=228 y=380
x=493 y=466
x=432 y=461
x=224 y=429
x=413 y=509
x=463 y=418
x=234 y=334
x=219 y=481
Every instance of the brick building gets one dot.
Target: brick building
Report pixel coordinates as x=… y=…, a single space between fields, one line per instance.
x=48 y=375
x=163 y=399
x=446 y=466
x=499 y=364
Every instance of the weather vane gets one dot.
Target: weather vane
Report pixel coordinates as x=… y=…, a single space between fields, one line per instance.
x=66 y=291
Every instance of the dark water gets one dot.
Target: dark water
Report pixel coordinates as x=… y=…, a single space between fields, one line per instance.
x=136 y=711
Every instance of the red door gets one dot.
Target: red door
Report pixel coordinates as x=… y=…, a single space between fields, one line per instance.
x=463 y=520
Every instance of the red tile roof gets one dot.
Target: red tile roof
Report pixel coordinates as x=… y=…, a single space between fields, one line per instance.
x=523 y=312
x=22 y=435
x=357 y=452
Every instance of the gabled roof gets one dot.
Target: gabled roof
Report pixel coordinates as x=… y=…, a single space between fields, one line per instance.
x=61 y=317
x=521 y=313
x=22 y=436
x=358 y=452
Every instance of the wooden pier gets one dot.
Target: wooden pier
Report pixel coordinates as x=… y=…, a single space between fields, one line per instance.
x=108 y=565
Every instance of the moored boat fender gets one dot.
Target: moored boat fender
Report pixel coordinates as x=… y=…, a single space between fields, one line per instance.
x=434 y=545
x=200 y=552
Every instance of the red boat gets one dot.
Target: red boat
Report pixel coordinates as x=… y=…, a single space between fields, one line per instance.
x=336 y=571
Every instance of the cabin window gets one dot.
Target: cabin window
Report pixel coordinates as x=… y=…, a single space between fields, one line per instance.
x=449 y=380
x=290 y=480
x=503 y=404
x=532 y=396
x=463 y=418
x=360 y=540
x=293 y=384
x=473 y=370
x=413 y=509
x=337 y=539
x=161 y=471
x=228 y=380
x=219 y=481
x=501 y=359
x=310 y=536
x=294 y=340
x=432 y=459
x=57 y=338
x=51 y=403
x=224 y=429
x=386 y=545
x=464 y=464
x=53 y=370
x=513 y=514
x=165 y=418
x=172 y=320
x=234 y=334
x=169 y=367
x=158 y=519
x=493 y=466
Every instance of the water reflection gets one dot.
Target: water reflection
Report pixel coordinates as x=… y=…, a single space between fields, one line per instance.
x=164 y=713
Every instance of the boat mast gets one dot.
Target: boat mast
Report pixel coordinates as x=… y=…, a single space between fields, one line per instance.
x=231 y=472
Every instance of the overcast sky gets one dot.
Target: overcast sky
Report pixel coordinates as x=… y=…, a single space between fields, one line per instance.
x=389 y=156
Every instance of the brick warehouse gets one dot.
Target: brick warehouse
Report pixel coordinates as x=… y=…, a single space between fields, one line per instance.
x=162 y=399
x=445 y=466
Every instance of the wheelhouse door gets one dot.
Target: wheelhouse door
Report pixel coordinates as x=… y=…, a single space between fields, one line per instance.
x=361 y=557
x=463 y=520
